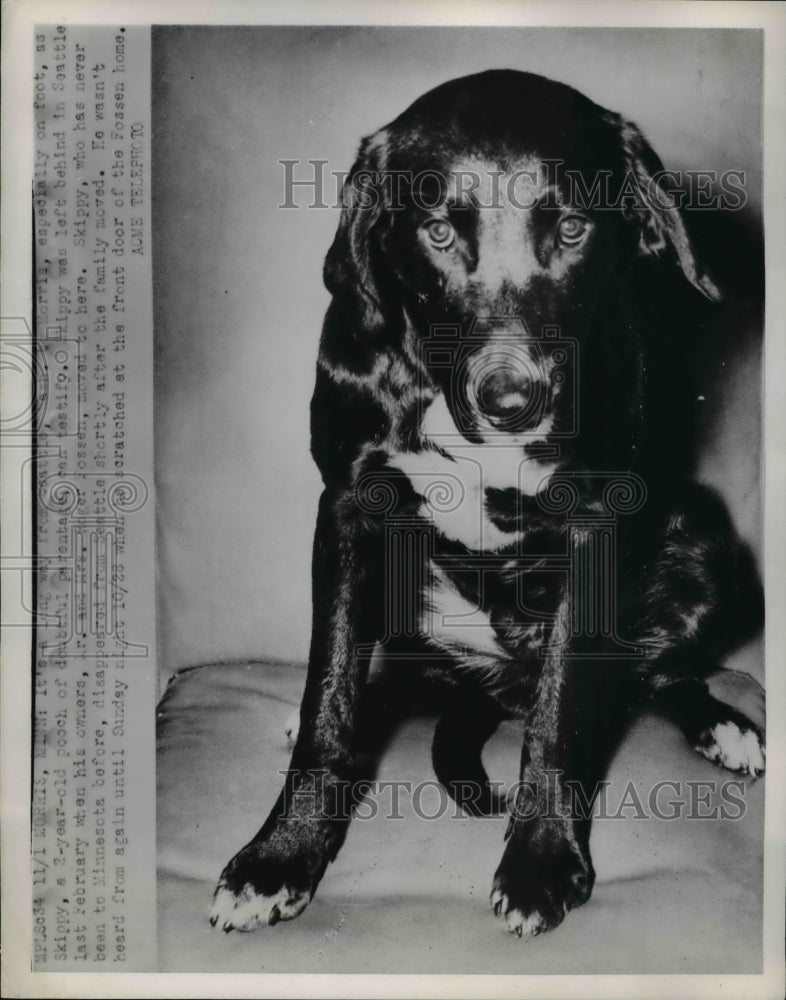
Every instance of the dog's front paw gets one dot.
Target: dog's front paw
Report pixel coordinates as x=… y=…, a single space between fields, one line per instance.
x=255 y=890
x=533 y=893
x=248 y=909
x=738 y=746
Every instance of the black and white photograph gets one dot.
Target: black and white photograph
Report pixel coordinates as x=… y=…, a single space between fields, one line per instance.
x=535 y=416
x=404 y=507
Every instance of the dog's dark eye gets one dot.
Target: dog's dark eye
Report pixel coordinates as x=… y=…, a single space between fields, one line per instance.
x=572 y=230
x=441 y=234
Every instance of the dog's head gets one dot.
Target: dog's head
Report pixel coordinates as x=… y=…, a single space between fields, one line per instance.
x=486 y=225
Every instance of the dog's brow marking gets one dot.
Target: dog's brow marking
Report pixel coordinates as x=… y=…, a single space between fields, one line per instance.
x=453 y=479
x=490 y=182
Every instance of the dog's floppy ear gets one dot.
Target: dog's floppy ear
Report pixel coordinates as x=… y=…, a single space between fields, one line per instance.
x=659 y=215
x=353 y=266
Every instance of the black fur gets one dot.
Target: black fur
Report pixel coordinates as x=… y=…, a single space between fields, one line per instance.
x=622 y=287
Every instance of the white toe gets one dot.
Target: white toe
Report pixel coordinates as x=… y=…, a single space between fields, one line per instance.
x=247 y=910
x=515 y=921
x=734 y=748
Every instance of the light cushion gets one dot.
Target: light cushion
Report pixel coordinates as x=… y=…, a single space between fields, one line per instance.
x=411 y=894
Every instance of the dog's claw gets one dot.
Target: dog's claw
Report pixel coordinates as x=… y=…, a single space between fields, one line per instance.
x=247 y=909
x=537 y=900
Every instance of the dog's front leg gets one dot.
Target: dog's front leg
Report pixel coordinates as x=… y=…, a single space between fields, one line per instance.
x=275 y=875
x=582 y=709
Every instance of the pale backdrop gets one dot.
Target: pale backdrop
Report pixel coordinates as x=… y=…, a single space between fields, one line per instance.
x=239 y=296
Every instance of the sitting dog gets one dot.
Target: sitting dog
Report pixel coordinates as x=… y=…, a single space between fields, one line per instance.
x=502 y=419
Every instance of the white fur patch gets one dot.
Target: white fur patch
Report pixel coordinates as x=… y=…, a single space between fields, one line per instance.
x=735 y=749
x=451 y=621
x=500 y=456
x=248 y=910
x=453 y=485
x=691 y=621
x=515 y=921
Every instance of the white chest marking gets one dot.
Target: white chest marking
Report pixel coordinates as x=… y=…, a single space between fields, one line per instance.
x=453 y=485
x=452 y=622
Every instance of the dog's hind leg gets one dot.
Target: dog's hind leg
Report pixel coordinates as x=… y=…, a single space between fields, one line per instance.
x=459 y=738
x=702 y=598
x=713 y=728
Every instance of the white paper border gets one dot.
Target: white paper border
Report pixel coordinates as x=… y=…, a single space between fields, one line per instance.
x=17 y=150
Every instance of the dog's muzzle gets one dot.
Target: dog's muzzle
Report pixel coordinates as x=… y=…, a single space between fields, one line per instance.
x=509 y=387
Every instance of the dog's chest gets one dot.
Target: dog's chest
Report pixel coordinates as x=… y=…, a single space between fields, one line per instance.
x=452 y=622
x=455 y=479
x=487 y=641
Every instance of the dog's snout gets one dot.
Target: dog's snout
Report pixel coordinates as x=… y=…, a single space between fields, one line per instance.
x=510 y=394
x=503 y=393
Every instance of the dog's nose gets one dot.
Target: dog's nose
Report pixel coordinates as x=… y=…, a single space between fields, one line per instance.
x=501 y=392
x=511 y=399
